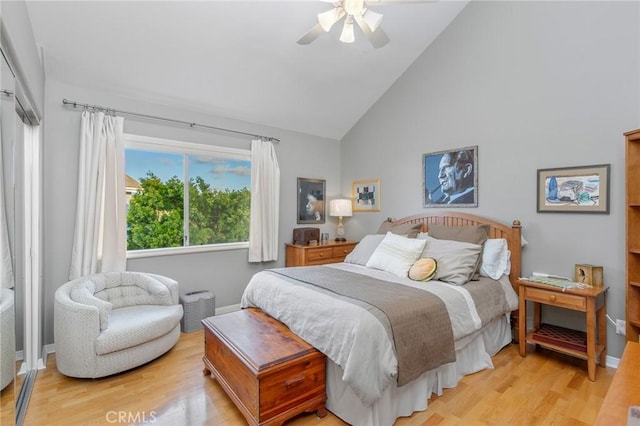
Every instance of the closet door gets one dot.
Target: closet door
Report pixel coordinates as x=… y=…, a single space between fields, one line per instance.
x=20 y=236
x=9 y=289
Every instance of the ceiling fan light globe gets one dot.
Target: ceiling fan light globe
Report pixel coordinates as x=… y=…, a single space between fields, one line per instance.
x=347 y=35
x=372 y=19
x=354 y=7
x=330 y=17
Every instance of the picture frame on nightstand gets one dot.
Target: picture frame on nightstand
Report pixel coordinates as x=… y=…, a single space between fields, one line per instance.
x=589 y=274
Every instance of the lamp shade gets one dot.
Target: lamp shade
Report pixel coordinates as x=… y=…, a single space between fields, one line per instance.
x=348 y=36
x=330 y=17
x=341 y=207
x=372 y=19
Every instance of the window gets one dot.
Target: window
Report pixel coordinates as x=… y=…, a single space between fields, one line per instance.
x=183 y=195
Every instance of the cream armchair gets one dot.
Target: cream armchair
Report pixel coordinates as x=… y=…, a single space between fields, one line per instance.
x=114 y=321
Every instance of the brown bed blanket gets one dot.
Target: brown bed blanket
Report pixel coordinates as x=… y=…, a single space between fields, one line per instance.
x=419 y=322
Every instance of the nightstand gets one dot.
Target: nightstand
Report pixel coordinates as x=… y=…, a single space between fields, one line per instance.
x=590 y=300
x=319 y=254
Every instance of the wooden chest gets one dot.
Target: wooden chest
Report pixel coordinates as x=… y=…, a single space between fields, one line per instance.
x=269 y=372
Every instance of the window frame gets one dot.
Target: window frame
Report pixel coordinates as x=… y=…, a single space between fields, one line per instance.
x=151 y=143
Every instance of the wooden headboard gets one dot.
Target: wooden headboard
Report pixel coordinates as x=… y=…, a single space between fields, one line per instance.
x=511 y=233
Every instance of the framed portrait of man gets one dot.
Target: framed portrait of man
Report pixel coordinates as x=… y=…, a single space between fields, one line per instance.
x=450 y=178
x=311 y=200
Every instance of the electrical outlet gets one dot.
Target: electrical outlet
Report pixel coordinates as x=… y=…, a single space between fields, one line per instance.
x=621 y=327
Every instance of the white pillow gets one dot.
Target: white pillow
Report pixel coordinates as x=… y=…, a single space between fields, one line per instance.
x=456 y=259
x=396 y=254
x=495 y=258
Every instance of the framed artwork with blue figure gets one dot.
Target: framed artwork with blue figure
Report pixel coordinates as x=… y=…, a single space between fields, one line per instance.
x=583 y=189
x=450 y=178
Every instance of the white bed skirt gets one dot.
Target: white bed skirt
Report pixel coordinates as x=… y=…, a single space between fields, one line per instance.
x=473 y=354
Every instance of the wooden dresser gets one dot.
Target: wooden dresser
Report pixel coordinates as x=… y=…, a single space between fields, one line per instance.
x=270 y=373
x=320 y=254
x=624 y=391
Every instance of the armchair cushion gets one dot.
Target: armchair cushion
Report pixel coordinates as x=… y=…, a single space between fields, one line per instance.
x=150 y=322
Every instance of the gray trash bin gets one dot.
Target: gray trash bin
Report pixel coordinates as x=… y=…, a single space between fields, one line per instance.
x=197 y=305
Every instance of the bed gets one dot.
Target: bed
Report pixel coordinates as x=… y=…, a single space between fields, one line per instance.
x=381 y=362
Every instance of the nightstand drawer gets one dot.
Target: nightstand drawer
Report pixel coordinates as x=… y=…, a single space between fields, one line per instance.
x=555 y=298
x=320 y=253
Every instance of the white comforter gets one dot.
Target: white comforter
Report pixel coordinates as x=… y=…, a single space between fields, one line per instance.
x=350 y=335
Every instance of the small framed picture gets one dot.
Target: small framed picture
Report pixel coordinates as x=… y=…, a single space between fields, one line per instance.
x=366 y=195
x=583 y=189
x=450 y=178
x=311 y=197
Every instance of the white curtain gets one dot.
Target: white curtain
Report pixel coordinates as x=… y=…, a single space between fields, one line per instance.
x=265 y=202
x=6 y=266
x=99 y=241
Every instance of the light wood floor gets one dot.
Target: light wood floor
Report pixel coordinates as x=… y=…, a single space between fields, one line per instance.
x=544 y=388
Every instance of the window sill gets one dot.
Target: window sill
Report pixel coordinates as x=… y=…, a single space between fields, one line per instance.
x=174 y=251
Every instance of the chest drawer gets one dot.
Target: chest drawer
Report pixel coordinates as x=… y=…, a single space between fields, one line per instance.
x=286 y=388
x=319 y=253
x=569 y=301
x=342 y=251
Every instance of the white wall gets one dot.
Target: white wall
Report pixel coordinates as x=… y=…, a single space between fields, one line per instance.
x=535 y=85
x=225 y=274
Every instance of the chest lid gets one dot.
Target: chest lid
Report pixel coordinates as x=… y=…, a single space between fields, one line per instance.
x=261 y=341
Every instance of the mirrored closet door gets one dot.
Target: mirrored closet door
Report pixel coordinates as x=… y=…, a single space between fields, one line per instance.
x=18 y=231
x=8 y=379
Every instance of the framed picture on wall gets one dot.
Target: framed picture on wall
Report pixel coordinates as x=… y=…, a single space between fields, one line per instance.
x=450 y=178
x=311 y=197
x=366 y=195
x=583 y=189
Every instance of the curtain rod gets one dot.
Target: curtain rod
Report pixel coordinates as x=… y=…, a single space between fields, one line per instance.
x=154 y=117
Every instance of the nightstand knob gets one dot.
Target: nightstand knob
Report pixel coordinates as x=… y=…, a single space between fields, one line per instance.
x=321 y=254
x=552 y=297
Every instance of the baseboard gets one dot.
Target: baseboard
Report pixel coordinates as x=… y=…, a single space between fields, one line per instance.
x=46 y=350
x=226 y=309
x=612 y=362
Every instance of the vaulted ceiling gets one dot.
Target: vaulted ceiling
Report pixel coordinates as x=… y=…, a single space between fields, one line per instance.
x=236 y=59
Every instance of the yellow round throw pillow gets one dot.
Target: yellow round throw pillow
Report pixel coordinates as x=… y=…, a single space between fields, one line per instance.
x=424 y=269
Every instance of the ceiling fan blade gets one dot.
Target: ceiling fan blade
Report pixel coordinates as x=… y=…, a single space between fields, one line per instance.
x=377 y=38
x=311 y=35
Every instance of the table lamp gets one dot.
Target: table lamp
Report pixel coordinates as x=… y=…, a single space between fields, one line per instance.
x=340 y=208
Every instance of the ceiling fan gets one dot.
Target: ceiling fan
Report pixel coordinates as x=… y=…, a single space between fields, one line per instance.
x=353 y=11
